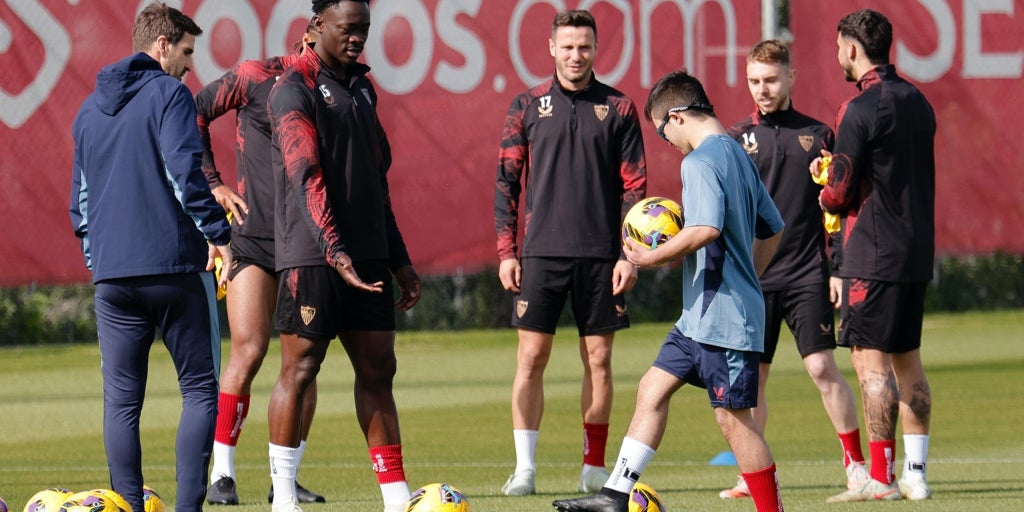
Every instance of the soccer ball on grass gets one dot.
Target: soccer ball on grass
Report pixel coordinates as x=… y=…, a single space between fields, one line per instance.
x=644 y=499
x=47 y=500
x=89 y=501
x=438 y=497
x=152 y=500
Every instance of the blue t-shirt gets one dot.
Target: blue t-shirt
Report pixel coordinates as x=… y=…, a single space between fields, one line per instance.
x=722 y=301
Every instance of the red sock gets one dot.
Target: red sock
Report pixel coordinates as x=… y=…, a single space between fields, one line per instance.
x=387 y=463
x=851 y=447
x=595 y=438
x=764 y=489
x=232 y=411
x=883 y=460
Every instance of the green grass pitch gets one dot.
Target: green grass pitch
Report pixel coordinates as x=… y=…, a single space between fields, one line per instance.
x=453 y=391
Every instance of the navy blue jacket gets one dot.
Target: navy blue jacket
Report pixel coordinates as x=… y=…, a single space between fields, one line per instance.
x=139 y=200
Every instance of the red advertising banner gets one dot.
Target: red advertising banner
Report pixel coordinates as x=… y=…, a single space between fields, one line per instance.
x=446 y=71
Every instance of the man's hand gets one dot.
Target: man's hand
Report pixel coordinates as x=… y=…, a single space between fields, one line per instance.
x=640 y=256
x=510 y=273
x=835 y=291
x=344 y=267
x=623 y=277
x=815 y=167
x=224 y=253
x=231 y=202
x=408 y=286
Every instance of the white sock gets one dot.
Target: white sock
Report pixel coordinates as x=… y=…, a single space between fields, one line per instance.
x=223 y=462
x=632 y=460
x=915 y=449
x=587 y=468
x=283 y=464
x=395 y=493
x=301 y=450
x=526 y=448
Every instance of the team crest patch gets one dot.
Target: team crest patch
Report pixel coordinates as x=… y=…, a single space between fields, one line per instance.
x=307 y=312
x=620 y=310
x=806 y=141
x=521 y=308
x=601 y=111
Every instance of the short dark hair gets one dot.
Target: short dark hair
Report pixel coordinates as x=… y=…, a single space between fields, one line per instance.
x=156 y=20
x=872 y=30
x=677 y=89
x=771 y=51
x=319 y=6
x=574 y=18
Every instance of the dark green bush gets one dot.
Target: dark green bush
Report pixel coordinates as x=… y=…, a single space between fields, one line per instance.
x=64 y=314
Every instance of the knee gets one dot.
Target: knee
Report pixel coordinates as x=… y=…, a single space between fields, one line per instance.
x=378 y=373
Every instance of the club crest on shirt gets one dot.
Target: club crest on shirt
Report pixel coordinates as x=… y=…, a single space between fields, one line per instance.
x=806 y=141
x=521 y=308
x=545 y=109
x=750 y=143
x=601 y=111
x=307 y=313
x=328 y=98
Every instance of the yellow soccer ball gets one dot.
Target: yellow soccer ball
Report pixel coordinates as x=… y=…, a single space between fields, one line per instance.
x=152 y=500
x=652 y=221
x=89 y=501
x=116 y=498
x=438 y=497
x=47 y=500
x=644 y=499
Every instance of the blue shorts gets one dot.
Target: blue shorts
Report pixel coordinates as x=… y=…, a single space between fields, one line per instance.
x=730 y=376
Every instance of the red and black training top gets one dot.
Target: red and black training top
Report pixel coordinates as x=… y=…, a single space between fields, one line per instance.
x=581 y=154
x=882 y=180
x=782 y=145
x=331 y=158
x=245 y=89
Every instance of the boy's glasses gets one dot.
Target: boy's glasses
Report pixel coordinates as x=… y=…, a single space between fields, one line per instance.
x=664 y=121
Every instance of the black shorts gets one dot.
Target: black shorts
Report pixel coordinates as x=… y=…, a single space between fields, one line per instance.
x=730 y=376
x=881 y=315
x=316 y=303
x=246 y=251
x=808 y=314
x=546 y=283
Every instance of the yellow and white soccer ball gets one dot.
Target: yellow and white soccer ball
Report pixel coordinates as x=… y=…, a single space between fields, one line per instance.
x=116 y=498
x=652 y=221
x=645 y=499
x=47 y=500
x=89 y=501
x=152 y=500
x=438 y=497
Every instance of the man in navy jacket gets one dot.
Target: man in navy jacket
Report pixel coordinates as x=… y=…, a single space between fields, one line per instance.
x=150 y=230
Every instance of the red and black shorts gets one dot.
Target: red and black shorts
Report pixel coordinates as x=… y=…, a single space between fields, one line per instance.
x=881 y=315
x=316 y=303
x=546 y=284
